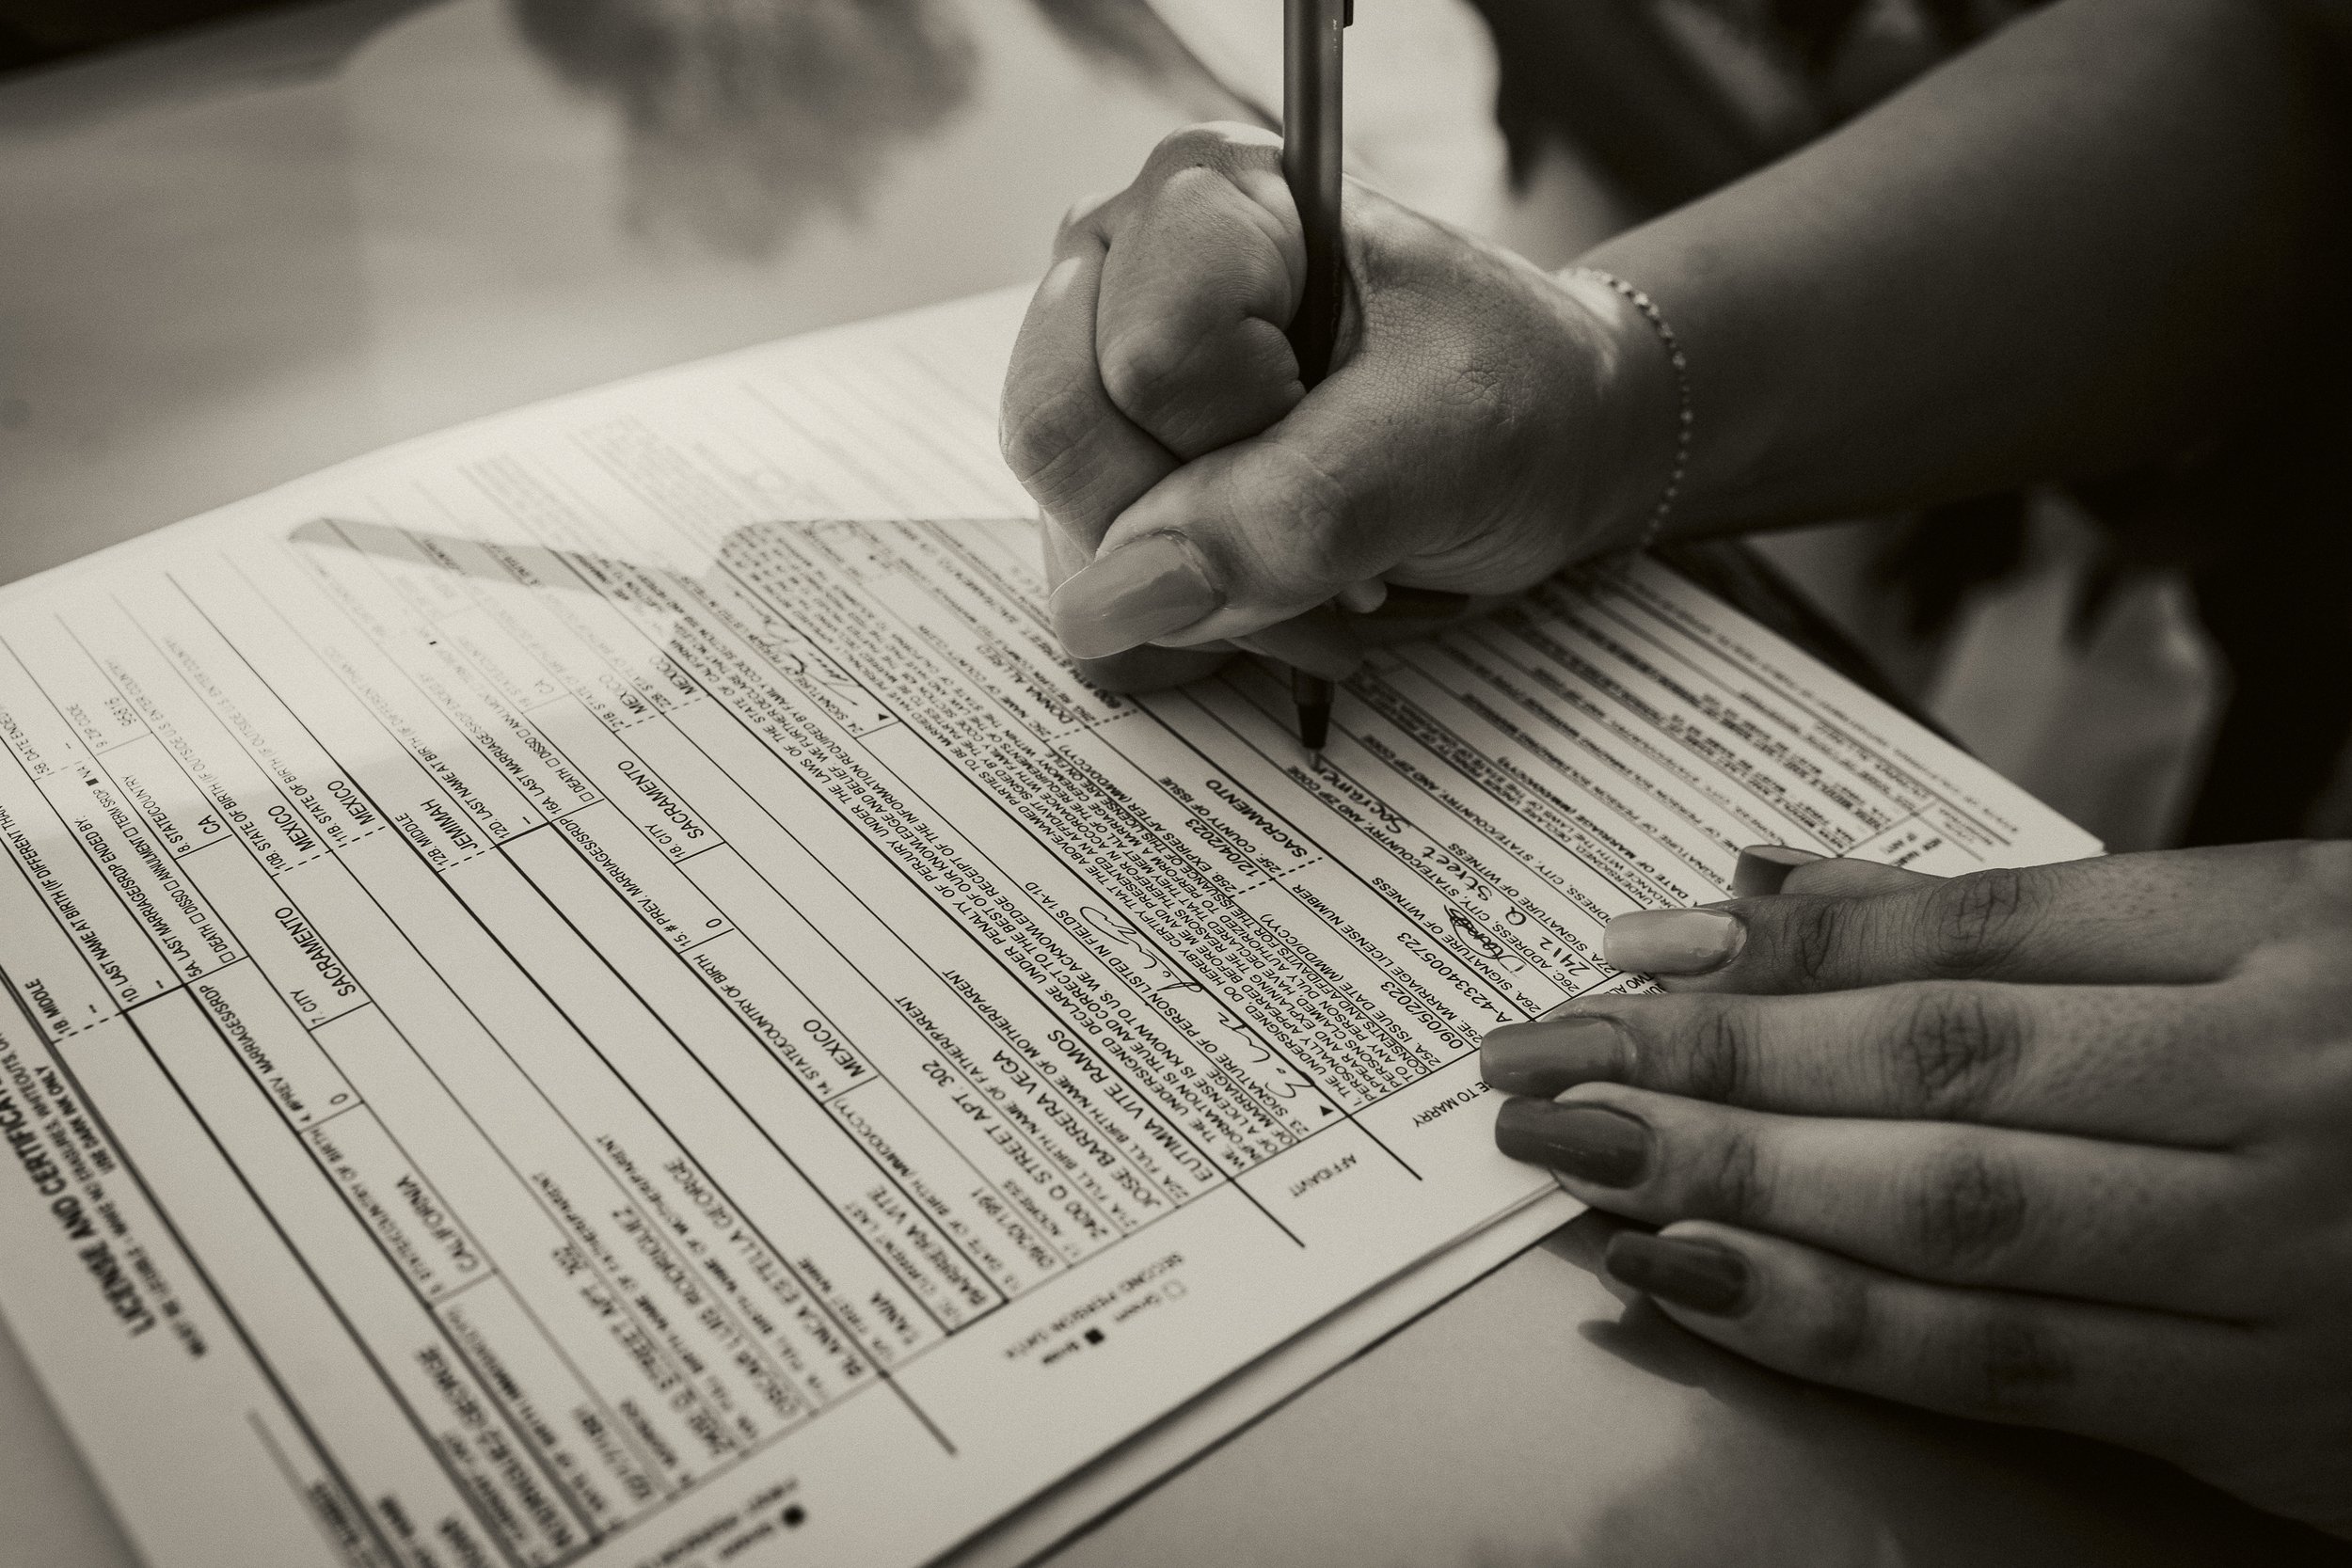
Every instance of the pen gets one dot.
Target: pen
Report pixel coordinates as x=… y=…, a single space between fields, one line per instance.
x=1311 y=31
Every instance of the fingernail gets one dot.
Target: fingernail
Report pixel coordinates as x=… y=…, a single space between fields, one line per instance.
x=1672 y=942
x=1697 y=1274
x=1549 y=1055
x=1591 y=1142
x=1764 y=866
x=1133 y=595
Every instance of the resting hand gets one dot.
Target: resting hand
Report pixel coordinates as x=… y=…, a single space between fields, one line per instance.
x=1482 y=424
x=2069 y=1147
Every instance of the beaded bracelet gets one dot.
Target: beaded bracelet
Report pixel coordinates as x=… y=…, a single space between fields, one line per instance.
x=1673 y=346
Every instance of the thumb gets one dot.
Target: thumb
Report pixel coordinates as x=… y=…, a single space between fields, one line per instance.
x=1240 y=542
x=1142 y=668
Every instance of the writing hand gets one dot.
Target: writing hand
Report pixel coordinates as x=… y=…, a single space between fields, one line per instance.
x=1482 y=424
x=2069 y=1147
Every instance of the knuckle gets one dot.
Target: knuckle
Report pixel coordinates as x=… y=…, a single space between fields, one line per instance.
x=2017 y=1370
x=1965 y=1212
x=1146 y=374
x=1974 y=923
x=1209 y=145
x=1956 y=1048
x=1186 y=146
x=1195 y=205
x=1728 y=1181
x=1714 y=1052
x=1082 y=213
x=1811 y=936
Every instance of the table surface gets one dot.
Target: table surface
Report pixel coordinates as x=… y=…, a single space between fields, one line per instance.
x=234 y=258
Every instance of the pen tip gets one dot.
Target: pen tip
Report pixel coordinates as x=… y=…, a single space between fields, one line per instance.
x=1312 y=695
x=1314 y=729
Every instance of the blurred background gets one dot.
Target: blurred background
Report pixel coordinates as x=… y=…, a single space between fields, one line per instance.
x=33 y=32
x=245 y=239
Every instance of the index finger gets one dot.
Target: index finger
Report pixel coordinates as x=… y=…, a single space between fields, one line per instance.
x=1068 y=444
x=2149 y=1064
x=2174 y=918
x=1202 y=276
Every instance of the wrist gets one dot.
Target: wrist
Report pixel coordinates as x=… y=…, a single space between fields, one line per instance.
x=1637 y=456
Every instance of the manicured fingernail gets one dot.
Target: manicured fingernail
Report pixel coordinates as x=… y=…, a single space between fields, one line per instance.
x=1672 y=942
x=1591 y=1142
x=1133 y=595
x=1764 y=866
x=1549 y=1055
x=1697 y=1274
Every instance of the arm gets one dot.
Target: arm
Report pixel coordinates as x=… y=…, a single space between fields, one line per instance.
x=2065 y=1146
x=2106 y=232
x=2103 y=233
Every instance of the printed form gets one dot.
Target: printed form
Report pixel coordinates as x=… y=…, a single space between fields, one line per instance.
x=594 y=988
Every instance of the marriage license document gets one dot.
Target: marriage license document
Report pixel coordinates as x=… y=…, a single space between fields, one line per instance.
x=594 y=989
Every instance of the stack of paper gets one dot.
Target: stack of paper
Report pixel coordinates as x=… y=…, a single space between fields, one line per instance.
x=594 y=988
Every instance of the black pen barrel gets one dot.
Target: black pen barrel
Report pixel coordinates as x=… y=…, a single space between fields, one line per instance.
x=1312 y=30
